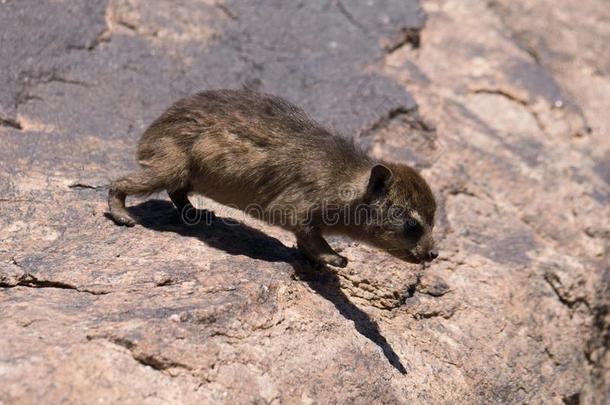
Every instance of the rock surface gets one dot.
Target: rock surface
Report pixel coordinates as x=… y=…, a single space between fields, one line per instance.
x=502 y=105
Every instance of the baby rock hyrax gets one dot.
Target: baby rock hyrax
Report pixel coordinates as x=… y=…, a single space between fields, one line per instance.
x=267 y=157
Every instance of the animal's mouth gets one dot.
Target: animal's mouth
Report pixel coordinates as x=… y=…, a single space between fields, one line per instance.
x=411 y=258
x=405 y=255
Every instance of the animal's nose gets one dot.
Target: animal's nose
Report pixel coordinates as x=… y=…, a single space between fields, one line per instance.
x=432 y=254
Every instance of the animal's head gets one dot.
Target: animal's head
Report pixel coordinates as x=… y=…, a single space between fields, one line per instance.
x=399 y=211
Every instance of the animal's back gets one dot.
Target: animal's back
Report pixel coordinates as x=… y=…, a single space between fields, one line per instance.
x=262 y=119
x=243 y=146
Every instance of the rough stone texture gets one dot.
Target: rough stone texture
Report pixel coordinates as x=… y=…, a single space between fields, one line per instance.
x=503 y=105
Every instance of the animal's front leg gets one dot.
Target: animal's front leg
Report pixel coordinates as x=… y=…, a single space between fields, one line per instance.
x=311 y=244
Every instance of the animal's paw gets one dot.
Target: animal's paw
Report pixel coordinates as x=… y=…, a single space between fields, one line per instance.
x=338 y=261
x=334 y=260
x=121 y=219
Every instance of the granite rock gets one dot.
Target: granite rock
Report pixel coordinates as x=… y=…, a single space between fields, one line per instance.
x=501 y=105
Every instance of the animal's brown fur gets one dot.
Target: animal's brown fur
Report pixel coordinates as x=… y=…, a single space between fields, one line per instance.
x=267 y=157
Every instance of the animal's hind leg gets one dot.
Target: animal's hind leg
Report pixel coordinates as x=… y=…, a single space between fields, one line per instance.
x=188 y=214
x=141 y=182
x=179 y=197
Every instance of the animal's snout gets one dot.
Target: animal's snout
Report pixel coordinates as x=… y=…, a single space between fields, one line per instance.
x=431 y=255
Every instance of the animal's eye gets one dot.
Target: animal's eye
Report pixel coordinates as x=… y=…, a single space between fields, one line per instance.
x=411 y=226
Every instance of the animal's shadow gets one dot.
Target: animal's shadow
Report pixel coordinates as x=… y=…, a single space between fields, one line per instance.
x=237 y=238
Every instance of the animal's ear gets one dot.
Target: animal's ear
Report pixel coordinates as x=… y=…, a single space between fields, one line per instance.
x=379 y=180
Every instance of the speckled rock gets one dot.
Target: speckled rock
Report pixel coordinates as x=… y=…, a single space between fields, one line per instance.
x=501 y=105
